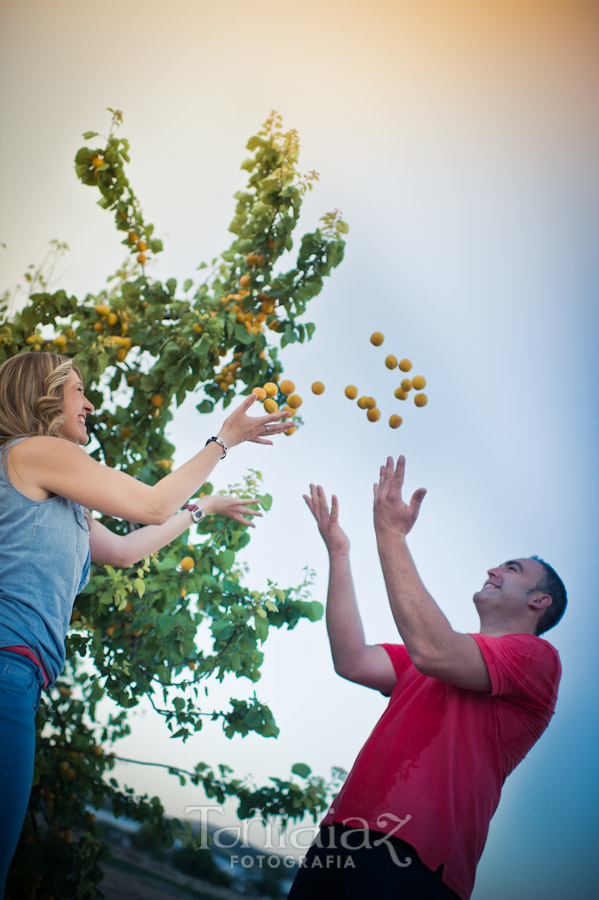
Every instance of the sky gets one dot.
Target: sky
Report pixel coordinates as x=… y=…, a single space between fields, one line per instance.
x=460 y=140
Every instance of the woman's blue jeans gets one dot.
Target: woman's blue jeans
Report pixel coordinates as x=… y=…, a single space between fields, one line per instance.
x=20 y=689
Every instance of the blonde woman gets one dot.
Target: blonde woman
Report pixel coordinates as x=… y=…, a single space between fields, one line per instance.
x=47 y=541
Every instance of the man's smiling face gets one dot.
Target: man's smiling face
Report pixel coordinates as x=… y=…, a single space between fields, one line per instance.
x=510 y=587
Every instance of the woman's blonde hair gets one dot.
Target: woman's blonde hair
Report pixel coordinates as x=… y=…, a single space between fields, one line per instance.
x=31 y=394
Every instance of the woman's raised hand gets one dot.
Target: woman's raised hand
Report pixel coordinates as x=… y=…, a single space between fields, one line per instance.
x=235 y=508
x=240 y=427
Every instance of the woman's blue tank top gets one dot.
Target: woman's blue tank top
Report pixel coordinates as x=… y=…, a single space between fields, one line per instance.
x=44 y=564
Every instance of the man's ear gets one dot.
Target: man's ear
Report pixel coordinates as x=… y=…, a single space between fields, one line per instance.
x=540 y=601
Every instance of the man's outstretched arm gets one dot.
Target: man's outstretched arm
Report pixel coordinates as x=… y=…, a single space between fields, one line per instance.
x=353 y=658
x=432 y=644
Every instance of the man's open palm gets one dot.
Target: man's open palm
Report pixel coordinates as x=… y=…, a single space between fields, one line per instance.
x=328 y=521
x=390 y=510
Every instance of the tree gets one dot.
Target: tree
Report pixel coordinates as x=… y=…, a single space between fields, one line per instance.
x=143 y=346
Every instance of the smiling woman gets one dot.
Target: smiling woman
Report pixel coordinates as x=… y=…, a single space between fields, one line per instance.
x=47 y=541
x=76 y=408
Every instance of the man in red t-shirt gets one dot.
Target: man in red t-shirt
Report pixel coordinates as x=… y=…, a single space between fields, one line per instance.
x=412 y=818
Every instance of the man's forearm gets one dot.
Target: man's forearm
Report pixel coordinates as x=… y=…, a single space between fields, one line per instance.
x=344 y=625
x=423 y=627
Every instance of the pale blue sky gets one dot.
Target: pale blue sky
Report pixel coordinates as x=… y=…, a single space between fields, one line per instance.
x=471 y=191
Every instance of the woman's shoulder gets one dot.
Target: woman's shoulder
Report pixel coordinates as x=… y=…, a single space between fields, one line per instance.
x=41 y=444
x=30 y=457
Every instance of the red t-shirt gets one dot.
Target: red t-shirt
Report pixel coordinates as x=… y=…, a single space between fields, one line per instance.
x=432 y=770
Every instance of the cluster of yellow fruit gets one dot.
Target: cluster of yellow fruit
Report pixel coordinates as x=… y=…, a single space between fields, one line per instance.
x=418 y=382
x=141 y=246
x=283 y=398
x=57 y=344
x=108 y=318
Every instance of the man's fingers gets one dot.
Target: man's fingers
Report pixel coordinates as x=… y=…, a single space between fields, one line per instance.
x=417 y=498
x=400 y=470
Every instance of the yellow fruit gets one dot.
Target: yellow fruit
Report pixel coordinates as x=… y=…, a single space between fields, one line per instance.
x=270 y=405
x=112 y=318
x=132 y=237
x=251 y=259
x=165 y=464
x=102 y=309
x=97 y=161
x=98 y=326
x=391 y=362
x=244 y=281
x=287 y=387
x=291 y=429
x=406 y=384
x=187 y=563
x=294 y=401
x=401 y=394
x=377 y=338
x=141 y=258
x=370 y=403
x=259 y=392
x=363 y=402
x=395 y=421
x=122 y=354
x=351 y=391
x=318 y=387
x=420 y=399
x=418 y=382
x=270 y=389
x=405 y=365
x=141 y=246
x=60 y=341
x=373 y=414
x=157 y=400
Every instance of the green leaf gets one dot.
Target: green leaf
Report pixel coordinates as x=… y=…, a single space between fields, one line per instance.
x=88 y=135
x=261 y=628
x=301 y=769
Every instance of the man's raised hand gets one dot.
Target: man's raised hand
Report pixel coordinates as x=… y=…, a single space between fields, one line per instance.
x=390 y=510
x=328 y=521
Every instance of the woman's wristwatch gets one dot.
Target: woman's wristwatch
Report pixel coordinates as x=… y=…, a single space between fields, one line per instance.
x=197 y=513
x=218 y=440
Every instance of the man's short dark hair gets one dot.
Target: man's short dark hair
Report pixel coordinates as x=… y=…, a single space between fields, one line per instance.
x=550 y=583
